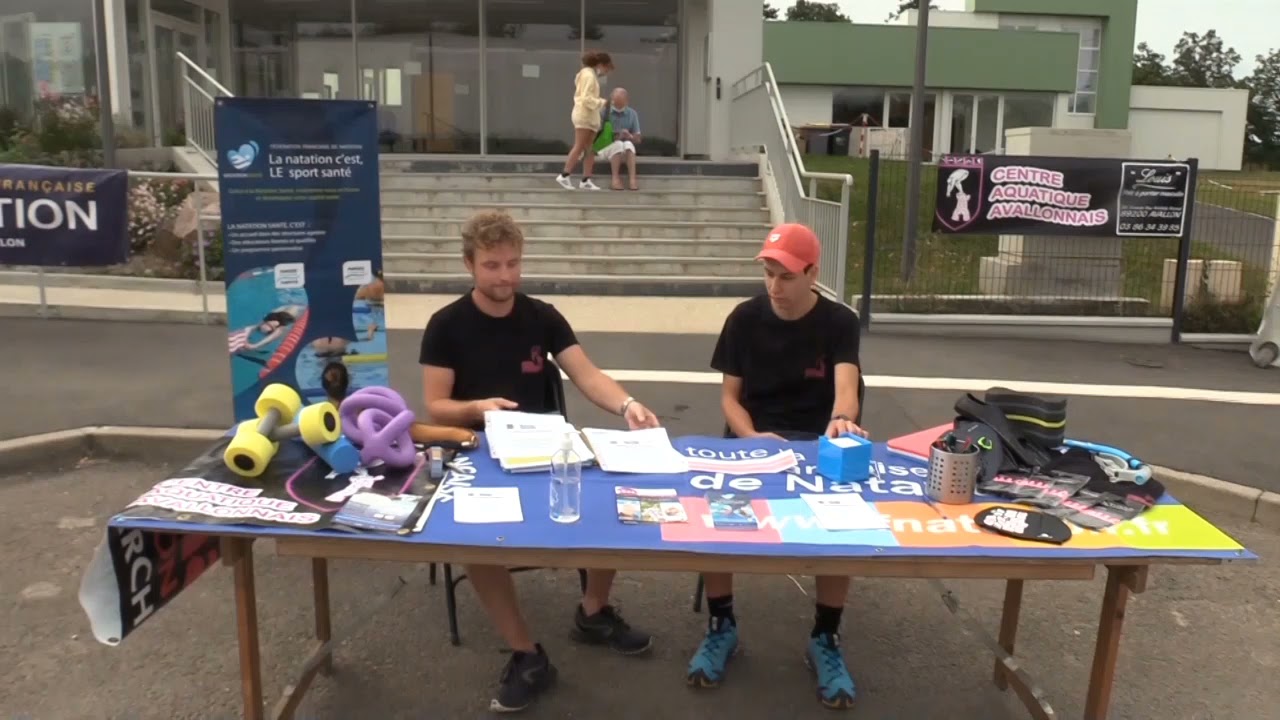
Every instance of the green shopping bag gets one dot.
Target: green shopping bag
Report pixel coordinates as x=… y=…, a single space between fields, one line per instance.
x=604 y=137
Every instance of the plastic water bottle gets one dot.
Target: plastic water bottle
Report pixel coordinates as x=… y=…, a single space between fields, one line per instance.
x=566 y=483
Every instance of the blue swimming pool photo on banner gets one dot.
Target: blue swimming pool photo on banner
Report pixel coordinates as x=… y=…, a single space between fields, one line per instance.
x=302 y=242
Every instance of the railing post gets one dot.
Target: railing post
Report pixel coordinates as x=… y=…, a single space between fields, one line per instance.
x=869 y=251
x=204 y=290
x=188 y=128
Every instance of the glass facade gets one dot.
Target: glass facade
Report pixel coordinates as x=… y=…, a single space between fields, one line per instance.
x=462 y=76
x=46 y=50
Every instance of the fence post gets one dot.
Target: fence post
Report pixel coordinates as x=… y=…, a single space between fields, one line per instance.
x=204 y=291
x=869 y=251
x=1184 y=254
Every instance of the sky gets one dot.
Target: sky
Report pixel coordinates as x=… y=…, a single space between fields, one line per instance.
x=1247 y=25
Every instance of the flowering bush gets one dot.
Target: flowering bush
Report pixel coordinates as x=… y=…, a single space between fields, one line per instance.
x=145 y=214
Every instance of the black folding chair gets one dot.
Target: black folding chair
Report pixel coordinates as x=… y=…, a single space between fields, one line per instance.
x=698 y=591
x=555 y=402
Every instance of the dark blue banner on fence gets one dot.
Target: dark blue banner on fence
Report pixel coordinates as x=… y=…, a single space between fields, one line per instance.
x=302 y=242
x=63 y=216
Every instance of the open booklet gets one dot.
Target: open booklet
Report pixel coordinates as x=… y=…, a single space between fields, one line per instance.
x=525 y=442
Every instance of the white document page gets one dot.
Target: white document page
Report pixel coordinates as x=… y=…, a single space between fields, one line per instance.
x=846 y=511
x=635 y=451
x=487 y=505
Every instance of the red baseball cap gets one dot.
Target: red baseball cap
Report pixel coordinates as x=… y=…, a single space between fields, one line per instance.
x=793 y=245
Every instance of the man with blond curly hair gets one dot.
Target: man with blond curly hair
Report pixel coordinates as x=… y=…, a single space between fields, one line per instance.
x=486 y=351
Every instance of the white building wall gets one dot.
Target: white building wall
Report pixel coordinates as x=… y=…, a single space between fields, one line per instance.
x=736 y=48
x=952 y=19
x=1204 y=123
x=807 y=104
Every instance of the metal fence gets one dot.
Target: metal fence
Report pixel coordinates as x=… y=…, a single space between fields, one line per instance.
x=172 y=209
x=760 y=125
x=1234 y=258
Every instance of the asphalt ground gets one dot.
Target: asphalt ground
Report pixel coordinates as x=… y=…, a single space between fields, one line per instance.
x=1203 y=643
x=60 y=374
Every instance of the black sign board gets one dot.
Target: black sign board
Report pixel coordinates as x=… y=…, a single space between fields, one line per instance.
x=1031 y=195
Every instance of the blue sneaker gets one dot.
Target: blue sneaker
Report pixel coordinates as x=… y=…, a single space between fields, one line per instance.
x=706 y=669
x=835 y=686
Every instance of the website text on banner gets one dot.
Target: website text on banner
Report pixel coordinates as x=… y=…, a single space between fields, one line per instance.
x=1029 y=195
x=54 y=216
x=301 y=228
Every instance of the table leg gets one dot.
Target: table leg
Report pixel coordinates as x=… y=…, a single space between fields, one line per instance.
x=324 y=630
x=1120 y=581
x=1008 y=626
x=238 y=553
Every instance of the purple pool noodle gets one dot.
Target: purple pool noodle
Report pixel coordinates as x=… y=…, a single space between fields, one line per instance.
x=386 y=437
x=384 y=399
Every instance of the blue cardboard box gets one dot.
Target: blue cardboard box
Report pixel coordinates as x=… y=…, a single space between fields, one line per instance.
x=845 y=459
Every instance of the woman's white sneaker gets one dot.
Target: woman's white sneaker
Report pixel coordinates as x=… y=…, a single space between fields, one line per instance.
x=565 y=181
x=588 y=185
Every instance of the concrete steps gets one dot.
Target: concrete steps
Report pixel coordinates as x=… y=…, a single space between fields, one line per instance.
x=547 y=212
x=598 y=228
x=524 y=181
x=586 y=247
x=573 y=265
x=557 y=195
x=692 y=230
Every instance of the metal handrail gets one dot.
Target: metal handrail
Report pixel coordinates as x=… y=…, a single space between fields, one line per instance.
x=774 y=93
x=204 y=75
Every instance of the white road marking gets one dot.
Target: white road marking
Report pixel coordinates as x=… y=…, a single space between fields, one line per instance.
x=906 y=382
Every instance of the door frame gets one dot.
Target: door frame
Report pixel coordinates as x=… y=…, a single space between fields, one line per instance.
x=175 y=25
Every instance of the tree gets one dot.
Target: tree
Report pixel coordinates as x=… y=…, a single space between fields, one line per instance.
x=804 y=10
x=1149 y=67
x=1203 y=61
x=1262 y=133
x=905 y=5
x=770 y=12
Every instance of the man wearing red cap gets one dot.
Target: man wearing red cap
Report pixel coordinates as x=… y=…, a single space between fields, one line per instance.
x=789 y=360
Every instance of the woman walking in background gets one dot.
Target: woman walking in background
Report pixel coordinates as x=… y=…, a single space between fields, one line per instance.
x=586 y=117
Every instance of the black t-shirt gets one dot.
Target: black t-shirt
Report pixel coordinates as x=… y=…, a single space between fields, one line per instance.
x=787 y=366
x=497 y=357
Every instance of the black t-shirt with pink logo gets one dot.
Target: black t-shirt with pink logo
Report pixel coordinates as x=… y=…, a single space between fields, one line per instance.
x=497 y=357
x=787 y=366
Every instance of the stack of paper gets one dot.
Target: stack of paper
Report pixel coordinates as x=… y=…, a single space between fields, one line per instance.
x=635 y=451
x=525 y=442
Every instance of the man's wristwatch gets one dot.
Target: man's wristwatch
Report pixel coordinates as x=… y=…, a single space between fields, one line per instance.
x=626 y=404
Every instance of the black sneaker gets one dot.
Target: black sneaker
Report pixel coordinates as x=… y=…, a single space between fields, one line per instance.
x=525 y=677
x=608 y=628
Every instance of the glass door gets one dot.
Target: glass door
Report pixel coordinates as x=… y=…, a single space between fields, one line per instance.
x=171 y=36
x=962 y=107
x=987 y=135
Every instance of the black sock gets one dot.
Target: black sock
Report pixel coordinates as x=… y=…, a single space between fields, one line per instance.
x=826 y=620
x=721 y=607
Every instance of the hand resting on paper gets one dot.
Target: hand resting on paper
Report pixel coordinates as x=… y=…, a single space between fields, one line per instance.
x=496 y=403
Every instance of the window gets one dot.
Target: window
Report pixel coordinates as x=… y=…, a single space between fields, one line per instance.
x=1085 y=99
x=858 y=106
x=1028 y=110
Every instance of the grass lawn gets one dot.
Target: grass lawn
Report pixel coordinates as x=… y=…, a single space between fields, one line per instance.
x=949 y=264
x=1252 y=192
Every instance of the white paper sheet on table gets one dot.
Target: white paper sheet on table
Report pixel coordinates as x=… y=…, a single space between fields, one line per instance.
x=487 y=505
x=846 y=511
x=635 y=451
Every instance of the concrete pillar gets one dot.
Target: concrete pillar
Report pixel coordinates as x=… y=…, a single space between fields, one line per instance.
x=736 y=48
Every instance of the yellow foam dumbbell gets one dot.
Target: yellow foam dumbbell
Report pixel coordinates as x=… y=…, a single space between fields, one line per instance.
x=257 y=441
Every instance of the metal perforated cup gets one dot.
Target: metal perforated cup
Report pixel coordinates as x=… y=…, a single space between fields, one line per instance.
x=953 y=476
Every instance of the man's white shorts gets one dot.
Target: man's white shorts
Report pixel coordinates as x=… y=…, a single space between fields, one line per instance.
x=617 y=147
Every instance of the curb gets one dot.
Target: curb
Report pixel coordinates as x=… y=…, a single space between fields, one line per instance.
x=23 y=278
x=54 y=311
x=173 y=445
x=1211 y=495
x=1201 y=493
